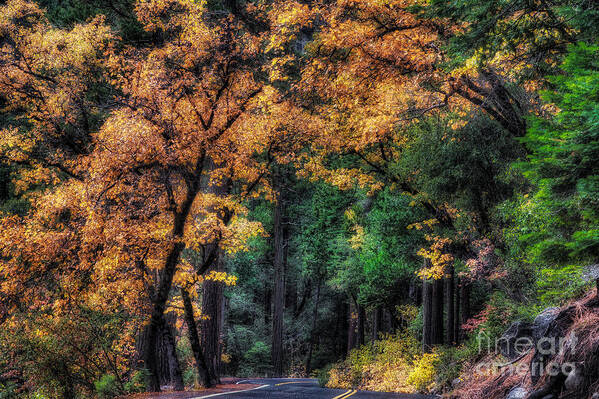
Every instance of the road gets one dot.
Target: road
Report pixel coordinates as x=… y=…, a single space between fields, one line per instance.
x=288 y=388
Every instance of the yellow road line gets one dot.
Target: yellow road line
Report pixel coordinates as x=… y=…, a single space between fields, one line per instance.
x=342 y=396
x=345 y=397
x=291 y=382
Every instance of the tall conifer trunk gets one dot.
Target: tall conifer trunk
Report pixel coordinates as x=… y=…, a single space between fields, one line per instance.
x=313 y=332
x=456 y=316
x=279 y=232
x=427 y=315
x=449 y=300
x=437 y=313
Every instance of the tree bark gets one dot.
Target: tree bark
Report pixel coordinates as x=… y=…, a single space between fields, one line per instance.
x=449 y=300
x=351 y=328
x=211 y=327
x=427 y=315
x=377 y=322
x=437 y=313
x=206 y=374
x=465 y=303
x=170 y=352
x=361 y=329
x=161 y=293
x=456 y=316
x=279 y=288
x=313 y=332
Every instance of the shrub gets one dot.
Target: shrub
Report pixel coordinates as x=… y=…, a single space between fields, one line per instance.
x=323 y=375
x=422 y=376
x=107 y=387
x=137 y=383
x=382 y=366
x=256 y=360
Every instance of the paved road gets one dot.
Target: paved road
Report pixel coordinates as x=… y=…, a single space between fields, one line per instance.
x=288 y=388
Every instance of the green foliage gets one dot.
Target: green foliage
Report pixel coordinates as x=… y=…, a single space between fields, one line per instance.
x=256 y=360
x=8 y=390
x=106 y=386
x=322 y=375
x=558 y=285
x=535 y=34
x=137 y=382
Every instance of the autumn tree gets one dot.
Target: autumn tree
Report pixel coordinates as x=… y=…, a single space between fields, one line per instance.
x=125 y=197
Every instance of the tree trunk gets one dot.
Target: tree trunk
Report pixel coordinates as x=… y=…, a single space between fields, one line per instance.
x=279 y=289
x=437 y=313
x=206 y=374
x=456 y=316
x=313 y=332
x=427 y=313
x=211 y=327
x=377 y=322
x=361 y=329
x=163 y=287
x=449 y=300
x=170 y=352
x=351 y=328
x=465 y=303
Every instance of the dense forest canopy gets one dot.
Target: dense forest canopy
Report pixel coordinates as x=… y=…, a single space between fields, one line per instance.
x=353 y=189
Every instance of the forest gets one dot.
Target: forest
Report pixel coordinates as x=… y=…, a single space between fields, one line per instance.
x=356 y=191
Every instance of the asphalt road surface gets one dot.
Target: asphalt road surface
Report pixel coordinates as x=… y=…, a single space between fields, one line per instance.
x=288 y=388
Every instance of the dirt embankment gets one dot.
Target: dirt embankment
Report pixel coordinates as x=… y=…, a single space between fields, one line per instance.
x=561 y=361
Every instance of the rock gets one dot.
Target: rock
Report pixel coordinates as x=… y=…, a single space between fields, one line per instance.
x=542 y=322
x=545 y=332
x=574 y=380
x=456 y=381
x=517 y=393
x=595 y=395
x=516 y=340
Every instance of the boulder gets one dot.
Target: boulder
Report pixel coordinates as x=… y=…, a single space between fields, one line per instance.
x=542 y=322
x=545 y=332
x=595 y=395
x=516 y=340
x=517 y=393
x=574 y=380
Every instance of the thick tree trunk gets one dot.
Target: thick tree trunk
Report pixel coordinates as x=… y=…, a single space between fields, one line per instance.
x=211 y=327
x=437 y=313
x=160 y=295
x=170 y=352
x=427 y=315
x=313 y=332
x=449 y=300
x=206 y=374
x=279 y=288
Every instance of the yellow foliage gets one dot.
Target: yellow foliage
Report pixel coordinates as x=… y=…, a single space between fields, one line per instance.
x=422 y=376
x=392 y=364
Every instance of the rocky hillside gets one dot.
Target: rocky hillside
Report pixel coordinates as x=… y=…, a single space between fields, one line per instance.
x=556 y=356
